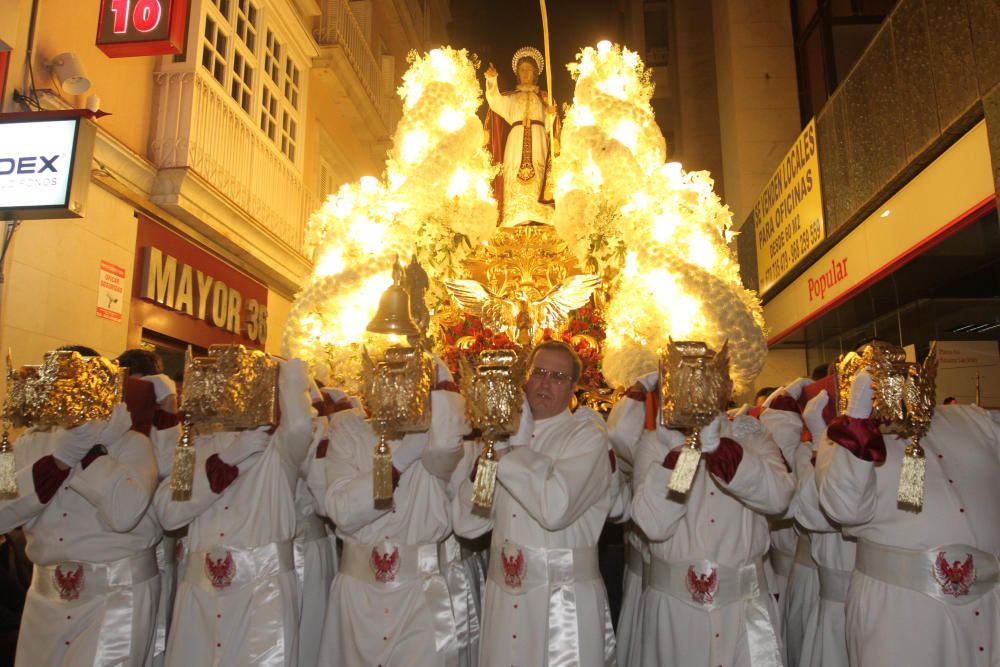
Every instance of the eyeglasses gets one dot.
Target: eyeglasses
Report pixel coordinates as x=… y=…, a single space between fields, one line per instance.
x=555 y=377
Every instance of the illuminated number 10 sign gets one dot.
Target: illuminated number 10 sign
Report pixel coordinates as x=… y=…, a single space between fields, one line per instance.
x=141 y=27
x=145 y=17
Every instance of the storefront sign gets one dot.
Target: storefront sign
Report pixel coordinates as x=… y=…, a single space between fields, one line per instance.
x=198 y=294
x=967 y=353
x=789 y=213
x=111 y=291
x=141 y=27
x=186 y=293
x=949 y=193
x=44 y=164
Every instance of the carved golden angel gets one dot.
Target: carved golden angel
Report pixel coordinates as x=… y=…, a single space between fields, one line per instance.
x=524 y=319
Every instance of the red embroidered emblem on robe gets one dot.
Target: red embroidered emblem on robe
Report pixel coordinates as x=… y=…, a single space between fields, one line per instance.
x=220 y=571
x=702 y=587
x=384 y=566
x=956 y=578
x=69 y=581
x=513 y=568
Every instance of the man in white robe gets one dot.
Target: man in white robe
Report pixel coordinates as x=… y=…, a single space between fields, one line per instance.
x=545 y=600
x=823 y=641
x=626 y=424
x=237 y=599
x=707 y=601
x=924 y=589
x=84 y=501
x=389 y=604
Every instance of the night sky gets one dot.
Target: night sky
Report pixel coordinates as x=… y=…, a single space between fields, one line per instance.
x=494 y=30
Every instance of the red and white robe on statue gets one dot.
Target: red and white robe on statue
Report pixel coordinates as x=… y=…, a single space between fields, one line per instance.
x=707 y=601
x=545 y=602
x=237 y=597
x=924 y=589
x=389 y=603
x=90 y=533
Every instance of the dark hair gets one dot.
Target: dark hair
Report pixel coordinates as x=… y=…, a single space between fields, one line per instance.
x=529 y=59
x=559 y=346
x=83 y=350
x=950 y=400
x=765 y=392
x=141 y=362
x=821 y=371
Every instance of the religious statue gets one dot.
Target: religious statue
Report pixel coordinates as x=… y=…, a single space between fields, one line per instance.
x=518 y=126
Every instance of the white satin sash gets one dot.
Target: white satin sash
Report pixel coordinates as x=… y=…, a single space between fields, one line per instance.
x=833 y=584
x=803 y=552
x=115 y=582
x=416 y=563
x=559 y=570
x=955 y=573
x=729 y=585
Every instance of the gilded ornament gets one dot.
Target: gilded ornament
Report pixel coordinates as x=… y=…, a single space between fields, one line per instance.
x=65 y=391
x=230 y=389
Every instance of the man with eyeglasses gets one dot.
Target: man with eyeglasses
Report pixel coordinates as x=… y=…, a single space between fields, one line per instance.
x=545 y=601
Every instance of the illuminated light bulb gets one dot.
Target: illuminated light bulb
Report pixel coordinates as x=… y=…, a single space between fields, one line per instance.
x=451 y=120
x=603 y=47
x=369 y=184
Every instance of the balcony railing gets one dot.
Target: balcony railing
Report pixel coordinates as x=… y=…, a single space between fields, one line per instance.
x=338 y=27
x=197 y=127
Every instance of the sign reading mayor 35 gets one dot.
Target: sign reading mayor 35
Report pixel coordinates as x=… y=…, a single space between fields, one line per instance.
x=789 y=213
x=194 y=292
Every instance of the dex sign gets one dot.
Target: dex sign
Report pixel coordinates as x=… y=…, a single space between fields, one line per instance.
x=44 y=164
x=141 y=27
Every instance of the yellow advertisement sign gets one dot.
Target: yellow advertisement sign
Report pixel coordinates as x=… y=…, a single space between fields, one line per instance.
x=789 y=213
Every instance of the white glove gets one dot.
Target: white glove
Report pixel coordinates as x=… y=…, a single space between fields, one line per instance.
x=293 y=376
x=860 y=404
x=711 y=435
x=407 y=450
x=527 y=427
x=795 y=389
x=246 y=444
x=73 y=444
x=649 y=381
x=812 y=414
x=443 y=374
x=670 y=438
x=740 y=411
x=163 y=385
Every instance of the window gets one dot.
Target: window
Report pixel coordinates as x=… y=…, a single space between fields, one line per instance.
x=250 y=62
x=830 y=36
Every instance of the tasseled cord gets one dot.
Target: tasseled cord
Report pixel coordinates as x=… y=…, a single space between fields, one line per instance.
x=382 y=473
x=8 y=481
x=182 y=471
x=687 y=465
x=484 y=486
x=911 y=478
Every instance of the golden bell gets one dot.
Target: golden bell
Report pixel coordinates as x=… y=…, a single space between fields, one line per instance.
x=393 y=315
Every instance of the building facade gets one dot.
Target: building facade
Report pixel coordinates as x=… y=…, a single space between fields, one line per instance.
x=206 y=170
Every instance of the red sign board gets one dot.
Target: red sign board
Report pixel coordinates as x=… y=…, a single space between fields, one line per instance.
x=141 y=27
x=182 y=291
